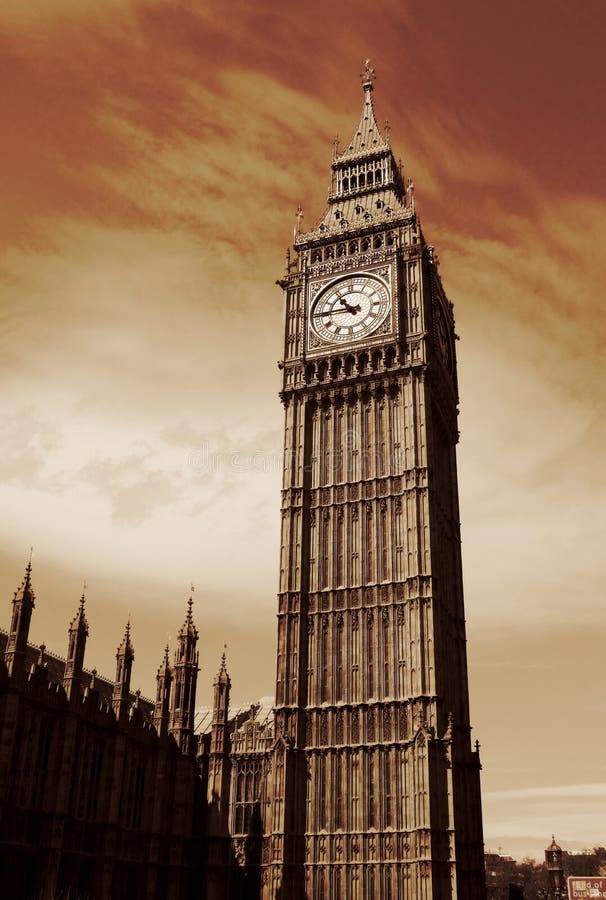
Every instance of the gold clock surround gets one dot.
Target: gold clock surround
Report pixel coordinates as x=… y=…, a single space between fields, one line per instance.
x=350 y=308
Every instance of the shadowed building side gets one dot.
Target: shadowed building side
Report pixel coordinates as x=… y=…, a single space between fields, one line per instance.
x=94 y=800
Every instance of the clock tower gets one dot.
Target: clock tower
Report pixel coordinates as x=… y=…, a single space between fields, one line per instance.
x=376 y=787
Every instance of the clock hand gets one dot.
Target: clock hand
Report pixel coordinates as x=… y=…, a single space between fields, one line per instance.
x=336 y=312
x=348 y=306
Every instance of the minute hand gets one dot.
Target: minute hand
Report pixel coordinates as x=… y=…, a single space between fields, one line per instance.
x=335 y=312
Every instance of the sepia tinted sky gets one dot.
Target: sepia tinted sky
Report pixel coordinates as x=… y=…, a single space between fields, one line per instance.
x=152 y=158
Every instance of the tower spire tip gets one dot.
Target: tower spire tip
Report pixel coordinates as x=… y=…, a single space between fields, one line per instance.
x=368 y=76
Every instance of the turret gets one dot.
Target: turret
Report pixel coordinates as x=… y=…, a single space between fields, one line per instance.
x=555 y=869
x=222 y=687
x=77 y=635
x=185 y=675
x=124 y=664
x=16 y=645
x=219 y=763
x=164 y=680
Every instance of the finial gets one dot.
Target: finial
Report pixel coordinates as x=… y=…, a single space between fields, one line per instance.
x=410 y=190
x=368 y=76
x=190 y=604
x=83 y=597
x=28 y=568
x=41 y=654
x=335 y=147
x=299 y=216
x=387 y=131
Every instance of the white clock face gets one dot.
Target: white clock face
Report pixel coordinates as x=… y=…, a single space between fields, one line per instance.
x=350 y=309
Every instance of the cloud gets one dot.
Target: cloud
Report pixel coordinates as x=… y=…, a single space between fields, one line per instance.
x=558 y=791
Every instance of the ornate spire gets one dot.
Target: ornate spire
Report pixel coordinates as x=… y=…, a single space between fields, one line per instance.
x=222 y=687
x=25 y=589
x=188 y=626
x=368 y=135
x=124 y=663
x=77 y=635
x=367 y=188
x=23 y=606
x=185 y=673
x=223 y=674
x=79 y=621
x=126 y=647
x=165 y=664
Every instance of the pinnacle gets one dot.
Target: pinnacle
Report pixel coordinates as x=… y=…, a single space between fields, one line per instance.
x=368 y=135
x=223 y=667
x=164 y=666
x=79 y=621
x=188 y=626
x=25 y=589
x=126 y=646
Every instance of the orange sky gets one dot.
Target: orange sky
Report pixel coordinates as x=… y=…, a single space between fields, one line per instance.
x=152 y=157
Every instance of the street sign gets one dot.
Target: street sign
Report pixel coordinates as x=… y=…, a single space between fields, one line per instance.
x=586 y=888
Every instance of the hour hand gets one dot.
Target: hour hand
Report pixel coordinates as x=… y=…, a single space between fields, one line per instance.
x=348 y=306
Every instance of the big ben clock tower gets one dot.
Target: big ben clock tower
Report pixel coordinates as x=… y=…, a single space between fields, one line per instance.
x=376 y=789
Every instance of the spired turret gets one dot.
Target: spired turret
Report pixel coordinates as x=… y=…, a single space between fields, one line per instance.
x=221 y=690
x=219 y=768
x=164 y=680
x=23 y=606
x=366 y=171
x=78 y=633
x=124 y=664
x=555 y=868
x=185 y=676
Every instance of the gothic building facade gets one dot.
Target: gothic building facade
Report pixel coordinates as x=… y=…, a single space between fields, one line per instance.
x=100 y=790
x=362 y=782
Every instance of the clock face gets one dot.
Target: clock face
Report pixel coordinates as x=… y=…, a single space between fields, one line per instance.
x=350 y=309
